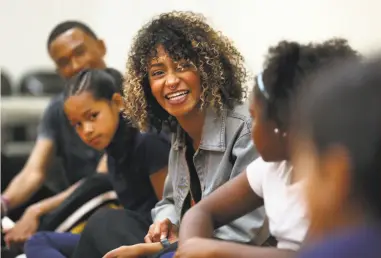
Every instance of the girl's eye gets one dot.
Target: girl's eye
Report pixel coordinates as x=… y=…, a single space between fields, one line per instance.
x=93 y=116
x=184 y=66
x=157 y=73
x=77 y=125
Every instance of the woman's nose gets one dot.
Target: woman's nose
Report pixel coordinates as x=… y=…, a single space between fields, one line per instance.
x=172 y=81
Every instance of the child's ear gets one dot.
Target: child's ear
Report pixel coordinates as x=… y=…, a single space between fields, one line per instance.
x=117 y=100
x=102 y=47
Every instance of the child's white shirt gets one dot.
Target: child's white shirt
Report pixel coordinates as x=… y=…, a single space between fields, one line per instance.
x=284 y=203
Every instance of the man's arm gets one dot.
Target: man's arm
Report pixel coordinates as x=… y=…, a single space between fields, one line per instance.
x=32 y=176
x=22 y=188
x=49 y=204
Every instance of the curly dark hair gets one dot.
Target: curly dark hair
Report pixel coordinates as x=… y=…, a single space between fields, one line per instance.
x=184 y=36
x=288 y=64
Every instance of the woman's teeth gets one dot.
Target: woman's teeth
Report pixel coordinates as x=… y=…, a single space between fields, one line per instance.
x=176 y=94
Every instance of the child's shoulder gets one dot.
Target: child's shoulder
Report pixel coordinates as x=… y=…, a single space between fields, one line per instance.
x=153 y=139
x=259 y=172
x=267 y=167
x=269 y=171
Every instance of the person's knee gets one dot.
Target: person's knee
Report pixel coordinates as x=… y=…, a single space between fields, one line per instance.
x=36 y=241
x=109 y=216
x=99 y=216
x=106 y=220
x=97 y=221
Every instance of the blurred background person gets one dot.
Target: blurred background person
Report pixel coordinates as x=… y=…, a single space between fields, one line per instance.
x=338 y=150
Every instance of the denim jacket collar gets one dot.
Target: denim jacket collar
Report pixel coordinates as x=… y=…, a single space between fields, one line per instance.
x=213 y=139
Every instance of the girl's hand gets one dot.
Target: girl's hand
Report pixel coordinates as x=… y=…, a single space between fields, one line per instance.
x=161 y=229
x=197 y=248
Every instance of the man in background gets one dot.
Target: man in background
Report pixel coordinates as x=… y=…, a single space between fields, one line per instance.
x=73 y=46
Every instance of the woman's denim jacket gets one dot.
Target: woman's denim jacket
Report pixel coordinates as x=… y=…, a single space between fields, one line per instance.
x=225 y=150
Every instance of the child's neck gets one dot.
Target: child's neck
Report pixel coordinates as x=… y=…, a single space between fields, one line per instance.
x=193 y=124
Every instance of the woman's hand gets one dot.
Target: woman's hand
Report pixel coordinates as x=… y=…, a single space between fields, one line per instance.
x=161 y=229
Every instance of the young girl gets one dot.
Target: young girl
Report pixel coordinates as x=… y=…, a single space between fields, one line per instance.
x=339 y=129
x=137 y=163
x=184 y=74
x=268 y=179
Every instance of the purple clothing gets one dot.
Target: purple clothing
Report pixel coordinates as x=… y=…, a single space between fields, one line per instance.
x=51 y=245
x=356 y=243
x=168 y=255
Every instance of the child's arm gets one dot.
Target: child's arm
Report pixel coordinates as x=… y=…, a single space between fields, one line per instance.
x=137 y=250
x=229 y=202
x=230 y=250
x=158 y=180
x=198 y=247
x=102 y=165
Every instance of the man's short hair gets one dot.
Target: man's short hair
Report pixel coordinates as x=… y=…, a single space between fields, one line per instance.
x=68 y=25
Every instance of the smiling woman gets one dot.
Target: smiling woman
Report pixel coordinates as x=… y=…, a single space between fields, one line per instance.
x=174 y=84
x=183 y=53
x=183 y=73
